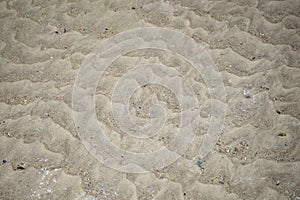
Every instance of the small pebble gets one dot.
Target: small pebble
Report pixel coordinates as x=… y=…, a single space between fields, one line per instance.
x=277 y=182
x=4 y=161
x=19 y=167
x=282 y=134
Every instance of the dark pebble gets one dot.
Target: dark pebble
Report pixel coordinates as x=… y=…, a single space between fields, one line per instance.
x=19 y=167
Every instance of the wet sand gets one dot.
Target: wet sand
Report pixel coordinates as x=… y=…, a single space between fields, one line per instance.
x=256 y=47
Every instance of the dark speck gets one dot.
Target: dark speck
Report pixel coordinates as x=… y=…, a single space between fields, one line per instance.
x=4 y=161
x=264 y=88
x=278 y=112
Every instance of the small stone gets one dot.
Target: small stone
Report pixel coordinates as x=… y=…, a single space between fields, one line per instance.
x=20 y=167
x=282 y=134
x=277 y=182
x=4 y=161
x=278 y=112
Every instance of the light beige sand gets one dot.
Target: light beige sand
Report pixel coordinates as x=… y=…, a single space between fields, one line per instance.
x=254 y=43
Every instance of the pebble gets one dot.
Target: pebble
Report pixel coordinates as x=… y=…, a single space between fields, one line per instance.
x=21 y=166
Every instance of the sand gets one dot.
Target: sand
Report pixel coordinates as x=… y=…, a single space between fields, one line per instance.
x=255 y=45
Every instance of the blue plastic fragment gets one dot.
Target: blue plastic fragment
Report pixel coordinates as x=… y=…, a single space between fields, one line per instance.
x=199 y=163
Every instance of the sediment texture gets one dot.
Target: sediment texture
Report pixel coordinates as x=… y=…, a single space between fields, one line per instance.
x=255 y=45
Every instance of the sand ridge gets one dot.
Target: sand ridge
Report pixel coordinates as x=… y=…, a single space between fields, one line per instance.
x=255 y=45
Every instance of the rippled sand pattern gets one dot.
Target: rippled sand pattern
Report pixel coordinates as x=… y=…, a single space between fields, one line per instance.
x=255 y=45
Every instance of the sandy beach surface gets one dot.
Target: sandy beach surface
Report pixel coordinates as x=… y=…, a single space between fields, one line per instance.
x=255 y=44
